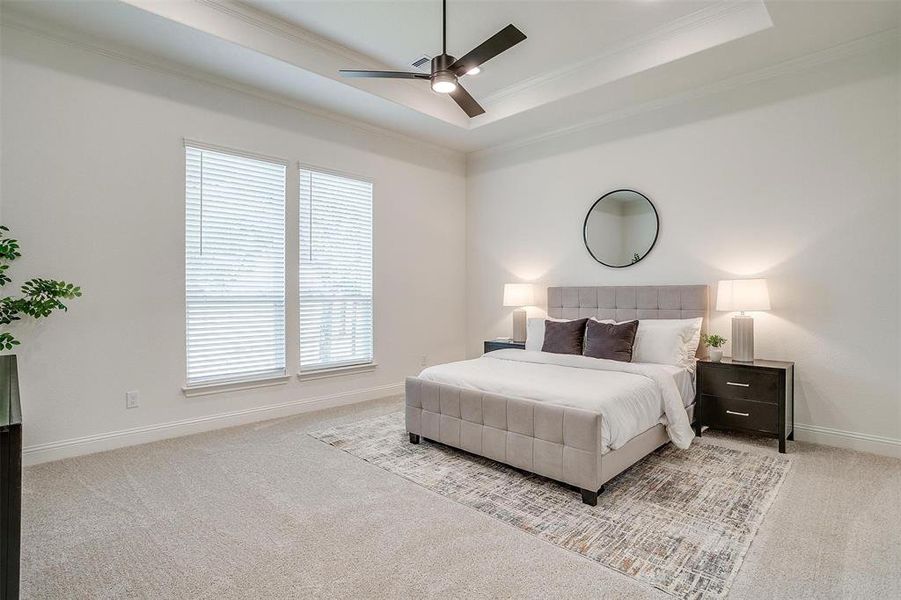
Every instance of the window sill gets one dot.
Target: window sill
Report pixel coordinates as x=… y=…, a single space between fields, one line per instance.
x=336 y=371
x=233 y=386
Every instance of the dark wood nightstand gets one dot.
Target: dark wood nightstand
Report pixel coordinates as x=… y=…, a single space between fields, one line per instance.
x=492 y=345
x=757 y=397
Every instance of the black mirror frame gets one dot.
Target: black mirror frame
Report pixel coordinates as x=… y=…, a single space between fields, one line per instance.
x=585 y=229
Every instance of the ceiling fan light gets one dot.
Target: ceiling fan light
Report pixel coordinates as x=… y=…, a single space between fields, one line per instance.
x=444 y=83
x=474 y=71
x=444 y=87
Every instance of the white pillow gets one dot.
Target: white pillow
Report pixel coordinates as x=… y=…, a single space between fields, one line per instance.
x=535 y=332
x=667 y=341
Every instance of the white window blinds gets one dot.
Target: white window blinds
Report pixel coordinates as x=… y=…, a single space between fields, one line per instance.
x=235 y=267
x=335 y=271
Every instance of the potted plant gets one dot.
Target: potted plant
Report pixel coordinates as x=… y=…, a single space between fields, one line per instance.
x=39 y=298
x=715 y=346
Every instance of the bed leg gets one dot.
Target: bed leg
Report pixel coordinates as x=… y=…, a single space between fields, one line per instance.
x=591 y=498
x=414 y=438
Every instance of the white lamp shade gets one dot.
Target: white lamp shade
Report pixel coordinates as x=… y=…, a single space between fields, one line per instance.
x=518 y=294
x=742 y=294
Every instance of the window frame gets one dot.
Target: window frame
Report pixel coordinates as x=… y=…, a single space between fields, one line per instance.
x=254 y=381
x=342 y=369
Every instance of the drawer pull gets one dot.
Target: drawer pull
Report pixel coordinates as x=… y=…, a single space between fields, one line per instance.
x=732 y=412
x=738 y=384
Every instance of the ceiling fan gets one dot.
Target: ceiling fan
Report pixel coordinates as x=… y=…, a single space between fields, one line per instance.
x=446 y=69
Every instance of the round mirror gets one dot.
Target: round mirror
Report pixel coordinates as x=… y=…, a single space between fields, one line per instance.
x=620 y=228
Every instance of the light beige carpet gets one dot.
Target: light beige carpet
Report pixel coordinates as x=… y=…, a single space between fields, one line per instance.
x=266 y=511
x=681 y=521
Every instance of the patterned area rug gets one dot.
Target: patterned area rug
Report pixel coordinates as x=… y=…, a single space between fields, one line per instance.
x=681 y=521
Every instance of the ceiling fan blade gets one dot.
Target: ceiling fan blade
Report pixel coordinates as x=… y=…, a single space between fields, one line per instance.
x=383 y=74
x=503 y=40
x=466 y=102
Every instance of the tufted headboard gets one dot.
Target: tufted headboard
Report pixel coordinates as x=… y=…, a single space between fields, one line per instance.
x=624 y=303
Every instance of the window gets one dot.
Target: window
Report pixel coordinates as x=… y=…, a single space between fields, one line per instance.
x=335 y=271
x=235 y=267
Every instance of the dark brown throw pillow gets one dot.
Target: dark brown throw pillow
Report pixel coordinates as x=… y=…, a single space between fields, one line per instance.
x=564 y=337
x=610 y=340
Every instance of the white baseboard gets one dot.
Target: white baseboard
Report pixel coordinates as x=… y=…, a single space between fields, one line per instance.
x=852 y=440
x=89 y=444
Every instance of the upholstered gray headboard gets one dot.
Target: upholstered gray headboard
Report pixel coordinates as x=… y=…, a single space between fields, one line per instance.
x=623 y=303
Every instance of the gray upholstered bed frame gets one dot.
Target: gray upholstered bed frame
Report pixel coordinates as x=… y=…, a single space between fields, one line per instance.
x=555 y=441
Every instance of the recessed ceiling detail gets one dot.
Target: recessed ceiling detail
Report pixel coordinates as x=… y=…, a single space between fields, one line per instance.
x=304 y=34
x=576 y=46
x=583 y=62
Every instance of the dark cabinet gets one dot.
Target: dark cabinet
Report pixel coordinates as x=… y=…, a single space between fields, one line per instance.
x=10 y=478
x=756 y=397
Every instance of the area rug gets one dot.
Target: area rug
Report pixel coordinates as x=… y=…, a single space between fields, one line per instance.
x=680 y=520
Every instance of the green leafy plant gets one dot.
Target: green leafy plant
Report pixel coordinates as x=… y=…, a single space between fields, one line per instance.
x=40 y=297
x=714 y=341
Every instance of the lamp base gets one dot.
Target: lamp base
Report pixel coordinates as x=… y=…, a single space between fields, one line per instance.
x=519 y=325
x=742 y=338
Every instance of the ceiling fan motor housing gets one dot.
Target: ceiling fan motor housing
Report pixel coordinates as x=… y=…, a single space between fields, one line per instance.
x=442 y=63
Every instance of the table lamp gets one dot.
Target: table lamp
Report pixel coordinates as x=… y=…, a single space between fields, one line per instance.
x=519 y=295
x=742 y=295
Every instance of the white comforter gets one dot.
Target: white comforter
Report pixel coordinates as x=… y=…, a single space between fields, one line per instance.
x=631 y=397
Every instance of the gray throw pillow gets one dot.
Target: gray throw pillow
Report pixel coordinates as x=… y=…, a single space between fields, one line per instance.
x=613 y=341
x=564 y=337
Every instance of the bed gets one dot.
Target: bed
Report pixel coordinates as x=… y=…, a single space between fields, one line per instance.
x=574 y=419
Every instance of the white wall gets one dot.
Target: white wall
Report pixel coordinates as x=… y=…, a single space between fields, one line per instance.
x=92 y=186
x=794 y=179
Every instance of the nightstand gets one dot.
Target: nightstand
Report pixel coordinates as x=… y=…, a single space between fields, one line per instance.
x=492 y=345
x=757 y=397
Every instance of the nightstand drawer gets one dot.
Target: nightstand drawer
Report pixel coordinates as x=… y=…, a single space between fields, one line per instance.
x=492 y=345
x=732 y=413
x=745 y=384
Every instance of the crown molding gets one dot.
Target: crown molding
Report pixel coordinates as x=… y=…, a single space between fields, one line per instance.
x=67 y=37
x=869 y=43
x=276 y=26
x=700 y=18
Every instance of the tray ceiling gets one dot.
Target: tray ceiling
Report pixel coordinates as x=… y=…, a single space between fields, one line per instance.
x=580 y=61
x=560 y=34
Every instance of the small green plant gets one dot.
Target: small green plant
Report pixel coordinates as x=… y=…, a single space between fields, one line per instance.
x=714 y=341
x=40 y=297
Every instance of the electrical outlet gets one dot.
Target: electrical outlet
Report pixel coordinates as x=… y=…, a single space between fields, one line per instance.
x=132 y=400
x=424 y=362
